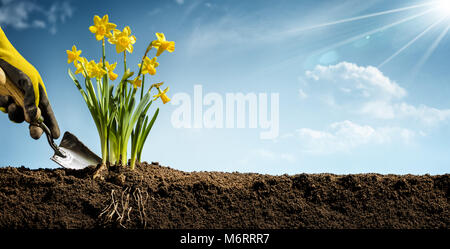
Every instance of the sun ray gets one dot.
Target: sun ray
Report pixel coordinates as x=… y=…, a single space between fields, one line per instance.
x=431 y=49
x=357 y=18
x=371 y=32
x=410 y=42
x=294 y=58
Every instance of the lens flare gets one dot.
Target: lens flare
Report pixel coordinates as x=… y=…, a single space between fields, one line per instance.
x=443 y=7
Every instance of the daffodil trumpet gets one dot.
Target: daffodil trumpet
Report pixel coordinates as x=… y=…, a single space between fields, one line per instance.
x=118 y=114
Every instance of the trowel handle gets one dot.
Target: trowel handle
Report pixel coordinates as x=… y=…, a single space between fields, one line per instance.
x=7 y=88
x=48 y=133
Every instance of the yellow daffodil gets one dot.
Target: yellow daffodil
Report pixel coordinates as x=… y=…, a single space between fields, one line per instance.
x=162 y=95
x=161 y=44
x=157 y=85
x=73 y=55
x=79 y=65
x=149 y=66
x=95 y=70
x=102 y=27
x=123 y=40
x=137 y=83
x=110 y=68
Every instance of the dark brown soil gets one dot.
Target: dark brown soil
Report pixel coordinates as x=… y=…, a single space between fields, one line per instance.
x=160 y=197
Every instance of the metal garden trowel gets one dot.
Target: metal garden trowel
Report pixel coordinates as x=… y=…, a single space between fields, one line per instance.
x=71 y=153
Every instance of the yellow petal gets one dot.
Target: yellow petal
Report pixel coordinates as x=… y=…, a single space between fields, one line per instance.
x=171 y=47
x=161 y=37
x=160 y=50
x=119 y=49
x=156 y=44
x=165 y=99
x=132 y=39
x=93 y=29
x=97 y=20
x=127 y=30
x=112 y=76
x=130 y=49
x=110 y=26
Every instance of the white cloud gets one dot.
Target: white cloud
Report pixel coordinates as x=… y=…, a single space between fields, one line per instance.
x=425 y=114
x=386 y=110
x=351 y=79
x=379 y=109
x=346 y=135
x=366 y=91
x=180 y=2
x=23 y=14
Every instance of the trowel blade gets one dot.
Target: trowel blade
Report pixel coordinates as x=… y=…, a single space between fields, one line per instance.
x=78 y=156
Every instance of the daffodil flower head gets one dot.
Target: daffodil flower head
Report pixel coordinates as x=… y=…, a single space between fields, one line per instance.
x=162 y=45
x=110 y=68
x=123 y=40
x=79 y=65
x=73 y=55
x=149 y=66
x=162 y=95
x=102 y=27
x=95 y=70
x=137 y=83
x=157 y=85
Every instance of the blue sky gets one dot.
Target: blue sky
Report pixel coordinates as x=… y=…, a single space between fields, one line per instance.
x=358 y=92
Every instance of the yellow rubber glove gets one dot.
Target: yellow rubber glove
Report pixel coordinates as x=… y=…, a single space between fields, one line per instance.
x=27 y=78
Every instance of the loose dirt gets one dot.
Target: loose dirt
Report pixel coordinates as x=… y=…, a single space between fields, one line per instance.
x=153 y=196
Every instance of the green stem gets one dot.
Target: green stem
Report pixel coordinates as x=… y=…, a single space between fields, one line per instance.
x=124 y=85
x=142 y=86
x=104 y=149
x=105 y=101
x=103 y=54
x=132 y=162
x=124 y=156
x=125 y=61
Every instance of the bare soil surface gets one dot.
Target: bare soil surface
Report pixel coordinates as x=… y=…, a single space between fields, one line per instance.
x=153 y=196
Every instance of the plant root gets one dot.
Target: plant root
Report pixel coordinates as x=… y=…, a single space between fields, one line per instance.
x=120 y=207
x=138 y=197
x=117 y=209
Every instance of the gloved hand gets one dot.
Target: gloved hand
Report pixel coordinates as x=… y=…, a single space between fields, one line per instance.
x=26 y=78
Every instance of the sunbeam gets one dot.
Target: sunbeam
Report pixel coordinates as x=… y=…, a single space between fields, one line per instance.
x=361 y=17
x=410 y=42
x=430 y=50
x=292 y=59
x=371 y=32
